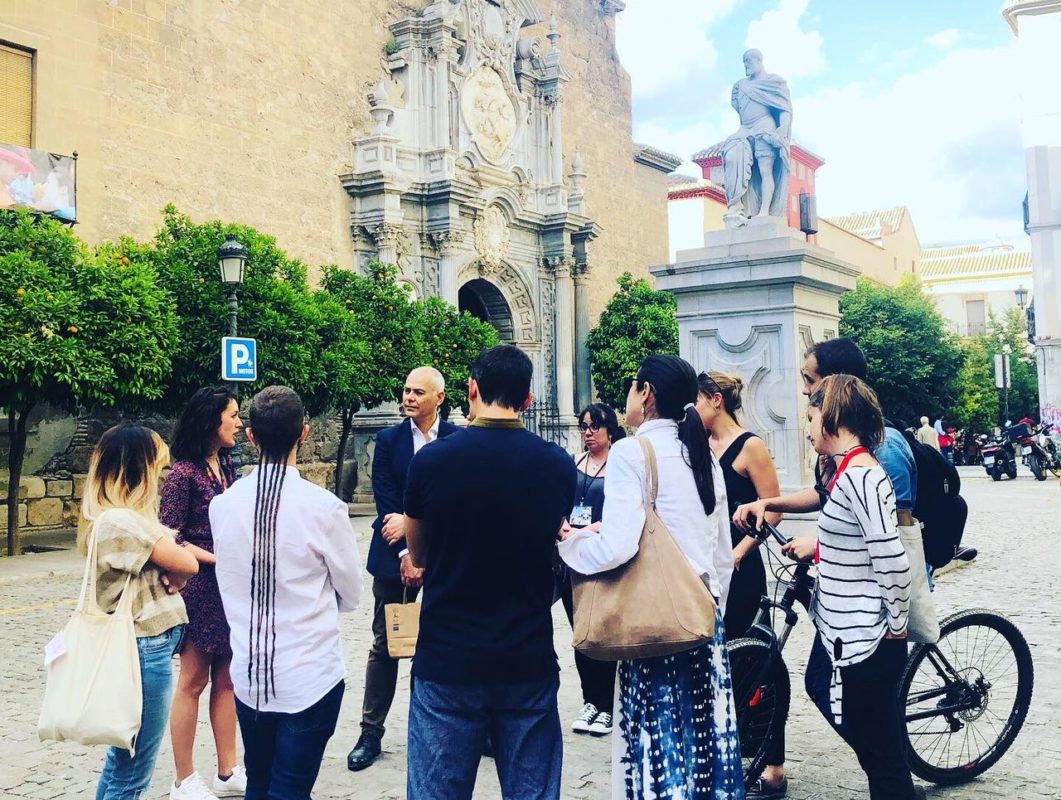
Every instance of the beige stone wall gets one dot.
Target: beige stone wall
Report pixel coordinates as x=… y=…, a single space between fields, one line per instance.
x=246 y=112
x=243 y=111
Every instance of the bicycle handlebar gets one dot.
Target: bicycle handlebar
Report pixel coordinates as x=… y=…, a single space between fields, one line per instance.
x=772 y=531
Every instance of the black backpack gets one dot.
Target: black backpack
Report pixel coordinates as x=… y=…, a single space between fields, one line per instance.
x=939 y=507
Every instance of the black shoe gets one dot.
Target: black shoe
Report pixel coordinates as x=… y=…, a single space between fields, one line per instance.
x=364 y=753
x=761 y=790
x=965 y=553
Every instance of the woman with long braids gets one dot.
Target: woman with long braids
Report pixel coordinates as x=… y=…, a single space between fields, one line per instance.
x=675 y=730
x=134 y=552
x=287 y=564
x=202 y=469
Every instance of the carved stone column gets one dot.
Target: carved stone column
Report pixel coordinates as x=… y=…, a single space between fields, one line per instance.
x=442 y=52
x=565 y=336
x=583 y=385
x=446 y=242
x=386 y=235
x=556 y=142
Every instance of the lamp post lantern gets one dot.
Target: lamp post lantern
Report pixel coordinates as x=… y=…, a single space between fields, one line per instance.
x=231 y=258
x=1021 y=294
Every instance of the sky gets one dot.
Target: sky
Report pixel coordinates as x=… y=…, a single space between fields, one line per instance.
x=910 y=102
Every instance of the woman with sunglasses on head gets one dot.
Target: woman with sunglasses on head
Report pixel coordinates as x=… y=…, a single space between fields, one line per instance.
x=675 y=730
x=749 y=474
x=862 y=600
x=600 y=429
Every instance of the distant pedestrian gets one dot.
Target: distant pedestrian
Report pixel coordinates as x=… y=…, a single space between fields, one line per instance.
x=675 y=730
x=203 y=440
x=287 y=565
x=482 y=513
x=926 y=434
x=600 y=429
x=136 y=553
x=394 y=578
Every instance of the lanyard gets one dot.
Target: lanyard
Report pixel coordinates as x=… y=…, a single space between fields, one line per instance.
x=855 y=451
x=586 y=477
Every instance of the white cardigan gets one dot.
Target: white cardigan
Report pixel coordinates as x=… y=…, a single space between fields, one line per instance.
x=704 y=539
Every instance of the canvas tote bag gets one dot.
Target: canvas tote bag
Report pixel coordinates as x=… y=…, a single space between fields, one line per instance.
x=93 y=693
x=922 y=626
x=403 y=626
x=653 y=605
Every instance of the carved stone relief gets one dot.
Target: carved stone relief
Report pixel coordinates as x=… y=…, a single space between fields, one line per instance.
x=489 y=113
x=491 y=236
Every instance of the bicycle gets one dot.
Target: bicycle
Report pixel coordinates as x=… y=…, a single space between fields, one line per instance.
x=956 y=687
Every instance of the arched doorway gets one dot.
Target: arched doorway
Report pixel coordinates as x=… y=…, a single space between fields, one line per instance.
x=482 y=299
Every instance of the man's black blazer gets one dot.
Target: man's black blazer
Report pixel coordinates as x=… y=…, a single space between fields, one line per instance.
x=390 y=465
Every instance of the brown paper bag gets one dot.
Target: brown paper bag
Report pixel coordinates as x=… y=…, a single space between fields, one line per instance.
x=403 y=626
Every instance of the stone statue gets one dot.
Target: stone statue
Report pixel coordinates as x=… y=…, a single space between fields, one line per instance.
x=756 y=157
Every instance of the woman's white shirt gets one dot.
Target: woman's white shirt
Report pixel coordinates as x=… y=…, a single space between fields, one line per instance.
x=318 y=574
x=703 y=538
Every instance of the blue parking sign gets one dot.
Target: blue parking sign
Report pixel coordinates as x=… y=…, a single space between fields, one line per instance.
x=239 y=359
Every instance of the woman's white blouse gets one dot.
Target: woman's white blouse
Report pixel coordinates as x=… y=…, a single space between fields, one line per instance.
x=703 y=538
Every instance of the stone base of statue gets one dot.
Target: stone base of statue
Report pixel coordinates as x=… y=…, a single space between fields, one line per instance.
x=751 y=302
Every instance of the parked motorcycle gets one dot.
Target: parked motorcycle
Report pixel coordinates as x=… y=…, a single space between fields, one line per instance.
x=999 y=457
x=1048 y=441
x=1032 y=453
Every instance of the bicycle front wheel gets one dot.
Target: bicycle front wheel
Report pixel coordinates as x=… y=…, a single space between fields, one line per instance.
x=966 y=697
x=761 y=694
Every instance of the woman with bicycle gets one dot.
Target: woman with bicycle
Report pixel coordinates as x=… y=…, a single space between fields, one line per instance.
x=862 y=600
x=749 y=474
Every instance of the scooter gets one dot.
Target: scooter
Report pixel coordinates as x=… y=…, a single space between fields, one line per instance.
x=1032 y=452
x=1048 y=442
x=999 y=458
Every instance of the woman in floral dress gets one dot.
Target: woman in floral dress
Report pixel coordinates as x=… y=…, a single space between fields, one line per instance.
x=202 y=469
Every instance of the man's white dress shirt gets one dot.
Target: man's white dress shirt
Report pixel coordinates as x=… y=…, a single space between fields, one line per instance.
x=419 y=440
x=318 y=574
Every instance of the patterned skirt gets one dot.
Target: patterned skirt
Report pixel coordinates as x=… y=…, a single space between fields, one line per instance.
x=676 y=730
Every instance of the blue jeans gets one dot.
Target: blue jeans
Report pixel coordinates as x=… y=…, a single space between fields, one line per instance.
x=126 y=777
x=283 y=752
x=448 y=726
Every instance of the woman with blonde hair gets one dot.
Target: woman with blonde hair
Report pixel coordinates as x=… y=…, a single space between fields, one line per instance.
x=136 y=553
x=749 y=474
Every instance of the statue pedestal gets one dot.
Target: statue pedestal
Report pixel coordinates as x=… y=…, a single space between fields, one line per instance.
x=750 y=303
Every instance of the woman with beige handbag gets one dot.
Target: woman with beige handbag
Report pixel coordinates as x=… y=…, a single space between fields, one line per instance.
x=128 y=622
x=650 y=589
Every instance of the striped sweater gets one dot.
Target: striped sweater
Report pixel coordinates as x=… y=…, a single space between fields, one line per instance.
x=863 y=587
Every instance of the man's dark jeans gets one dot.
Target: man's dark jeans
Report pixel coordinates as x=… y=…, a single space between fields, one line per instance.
x=381 y=671
x=283 y=752
x=449 y=723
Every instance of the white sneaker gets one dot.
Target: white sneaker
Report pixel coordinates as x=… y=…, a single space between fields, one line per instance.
x=584 y=719
x=191 y=788
x=235 y=786
x=602 y=724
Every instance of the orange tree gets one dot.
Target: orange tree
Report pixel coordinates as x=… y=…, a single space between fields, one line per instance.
x=75 y=328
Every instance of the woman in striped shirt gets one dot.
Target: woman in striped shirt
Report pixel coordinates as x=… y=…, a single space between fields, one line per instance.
x=862 y=599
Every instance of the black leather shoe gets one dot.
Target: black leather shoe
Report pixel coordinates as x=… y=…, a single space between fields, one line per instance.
x=364 y=753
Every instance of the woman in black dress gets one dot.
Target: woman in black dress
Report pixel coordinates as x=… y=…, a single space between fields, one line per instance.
x=600 y=428
x=749 y=473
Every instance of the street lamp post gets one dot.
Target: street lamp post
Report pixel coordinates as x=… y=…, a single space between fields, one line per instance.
x=1006 y=350
x=1021 y=294
x=231 y=258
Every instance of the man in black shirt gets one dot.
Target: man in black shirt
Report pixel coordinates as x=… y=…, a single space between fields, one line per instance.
x=482 y=513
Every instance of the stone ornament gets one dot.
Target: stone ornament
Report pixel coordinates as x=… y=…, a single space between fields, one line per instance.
x=489 y=113
x=491 y=236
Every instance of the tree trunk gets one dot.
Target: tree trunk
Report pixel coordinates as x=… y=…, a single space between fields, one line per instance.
x=16 y=431
x=340 y=455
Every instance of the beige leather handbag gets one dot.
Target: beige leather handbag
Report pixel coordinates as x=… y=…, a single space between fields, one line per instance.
x=653 y=605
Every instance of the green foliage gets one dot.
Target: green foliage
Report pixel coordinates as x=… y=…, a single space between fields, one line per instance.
x=1024 y=379
x=977 y=407
x=450 y=341
x=373 y=344
x=276 y=307
x=912 y=359
x=77 y=327
x=637 y=322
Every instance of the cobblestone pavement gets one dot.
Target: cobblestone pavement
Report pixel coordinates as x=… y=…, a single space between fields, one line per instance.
x=1016 y=525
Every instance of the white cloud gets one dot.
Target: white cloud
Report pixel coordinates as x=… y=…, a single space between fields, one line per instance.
x=660 y=47
x=945 y=38
x=787 y=49
x=942 y=140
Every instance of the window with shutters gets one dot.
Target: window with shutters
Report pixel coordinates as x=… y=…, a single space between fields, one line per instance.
x=16 y=96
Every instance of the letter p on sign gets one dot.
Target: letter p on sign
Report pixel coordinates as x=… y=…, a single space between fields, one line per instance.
x=239 y=359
